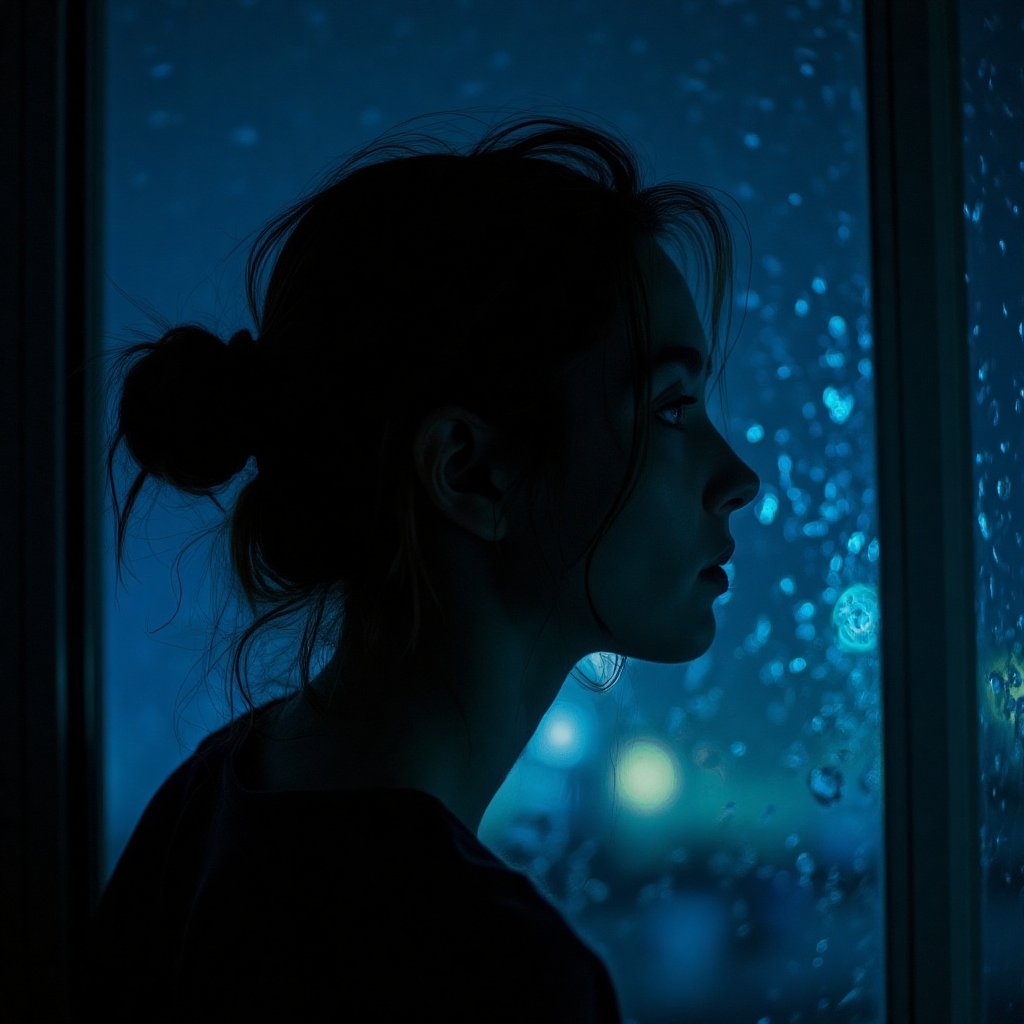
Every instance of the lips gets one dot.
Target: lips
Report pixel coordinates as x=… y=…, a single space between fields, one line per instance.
x=724 y=556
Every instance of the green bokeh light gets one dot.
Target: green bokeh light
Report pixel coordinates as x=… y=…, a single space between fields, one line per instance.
x=648 y=777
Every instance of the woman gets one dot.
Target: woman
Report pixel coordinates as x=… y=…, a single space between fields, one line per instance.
x=477 y=408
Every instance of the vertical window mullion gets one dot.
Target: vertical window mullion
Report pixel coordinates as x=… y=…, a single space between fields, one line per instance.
x=925 y=488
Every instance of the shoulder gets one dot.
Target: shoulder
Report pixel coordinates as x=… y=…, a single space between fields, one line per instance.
x=519 y=959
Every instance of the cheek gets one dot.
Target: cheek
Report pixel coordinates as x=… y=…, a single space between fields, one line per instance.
x=655 y=539
x=590 y=488
x=647 y=550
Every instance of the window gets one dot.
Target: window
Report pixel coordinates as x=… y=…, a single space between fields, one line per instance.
x=993 y=102
x=743 y=834
x=843 y=826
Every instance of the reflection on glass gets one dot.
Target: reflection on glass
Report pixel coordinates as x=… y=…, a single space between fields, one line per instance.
x=993 y=105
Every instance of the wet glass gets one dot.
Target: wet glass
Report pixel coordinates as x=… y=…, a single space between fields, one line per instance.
x=991 y=36
x=712 y=829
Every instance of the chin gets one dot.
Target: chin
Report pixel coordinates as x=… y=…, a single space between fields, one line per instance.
x=685 y=645
x=699 y=650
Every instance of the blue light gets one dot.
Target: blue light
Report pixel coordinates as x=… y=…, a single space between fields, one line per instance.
x=856 y=618
x=563 y=736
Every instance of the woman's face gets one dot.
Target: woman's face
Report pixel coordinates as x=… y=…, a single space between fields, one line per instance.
x=645 y=580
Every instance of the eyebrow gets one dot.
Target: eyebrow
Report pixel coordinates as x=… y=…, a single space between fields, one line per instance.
x=685 y=355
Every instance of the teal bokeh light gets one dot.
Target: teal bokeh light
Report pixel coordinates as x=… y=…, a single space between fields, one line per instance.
x=856 y=618
x=564 y=734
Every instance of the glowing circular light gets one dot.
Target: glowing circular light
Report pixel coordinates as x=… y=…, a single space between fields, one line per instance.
x=1002 y=695
x=856 y=618
x=562 y=737
x=647 y=776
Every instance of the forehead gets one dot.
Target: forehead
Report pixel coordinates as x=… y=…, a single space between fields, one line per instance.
x=603 y=378
x=674 y=317
x=674 y=320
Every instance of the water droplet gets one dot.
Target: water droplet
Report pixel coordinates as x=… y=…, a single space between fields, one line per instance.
x=805 y=863
x=825 y=784
x=871 y=781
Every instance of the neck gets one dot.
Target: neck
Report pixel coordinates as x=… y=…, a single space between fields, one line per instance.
x=415 y=737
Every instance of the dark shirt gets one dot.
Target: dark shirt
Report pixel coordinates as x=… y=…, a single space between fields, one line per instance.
x=230 y=903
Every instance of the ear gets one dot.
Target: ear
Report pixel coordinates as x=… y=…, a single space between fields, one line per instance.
x=456 y=455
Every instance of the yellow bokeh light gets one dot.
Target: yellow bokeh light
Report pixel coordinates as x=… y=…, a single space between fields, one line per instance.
x=647 y=776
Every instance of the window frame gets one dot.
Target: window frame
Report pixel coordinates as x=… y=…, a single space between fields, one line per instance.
x=925 y=487
x=51 y=729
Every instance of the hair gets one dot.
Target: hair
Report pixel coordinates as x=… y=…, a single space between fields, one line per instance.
x=414 y=276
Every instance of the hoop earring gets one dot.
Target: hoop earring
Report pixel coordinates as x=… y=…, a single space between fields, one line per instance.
x=599 y=662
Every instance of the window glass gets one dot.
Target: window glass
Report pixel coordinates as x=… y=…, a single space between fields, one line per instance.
x=712 y=829
x=993 y=105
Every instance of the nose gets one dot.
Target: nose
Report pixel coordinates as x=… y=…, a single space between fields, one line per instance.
x=747 y=485
x=736 y=484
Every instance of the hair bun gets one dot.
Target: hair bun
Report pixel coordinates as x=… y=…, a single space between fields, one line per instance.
x=180 y=407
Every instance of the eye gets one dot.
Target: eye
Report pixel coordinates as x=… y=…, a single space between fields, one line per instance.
x=678 y=405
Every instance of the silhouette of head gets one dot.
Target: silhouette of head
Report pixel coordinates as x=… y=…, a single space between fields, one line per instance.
x=455 y=352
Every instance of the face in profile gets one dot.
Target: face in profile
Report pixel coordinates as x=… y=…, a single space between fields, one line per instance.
x=645 y=578
x=514 y=625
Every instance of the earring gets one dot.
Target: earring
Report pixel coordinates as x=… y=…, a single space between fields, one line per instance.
x=601 y=677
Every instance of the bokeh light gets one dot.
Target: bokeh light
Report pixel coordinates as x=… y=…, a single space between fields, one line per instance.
x=856 y=618
x=647 y=776
x=564 y=735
